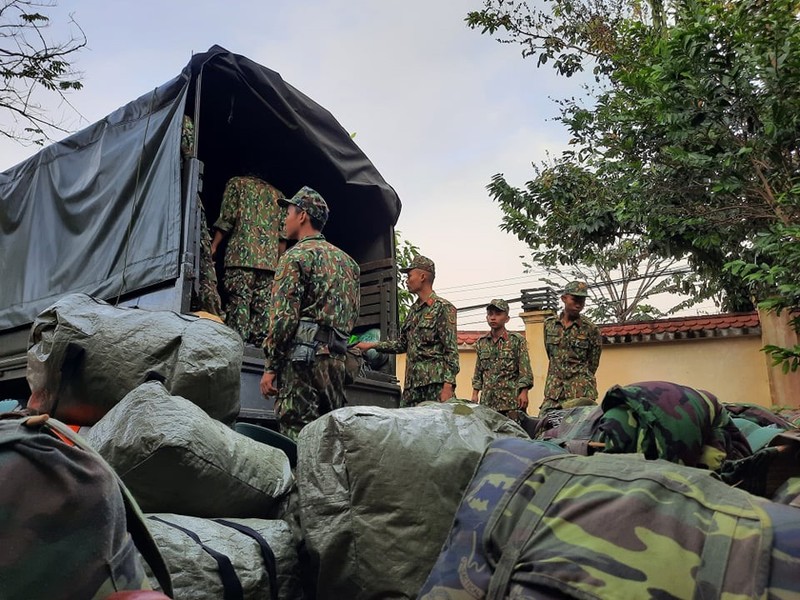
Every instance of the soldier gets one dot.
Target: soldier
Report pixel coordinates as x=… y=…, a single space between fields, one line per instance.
x=502 y=366
x=315 y=302
x=428 y=335
x=206 y=297
x=573 y=347
x=251 y=216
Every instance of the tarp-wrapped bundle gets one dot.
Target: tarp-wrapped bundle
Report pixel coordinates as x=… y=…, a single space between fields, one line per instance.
x=175 y=458
x=211 y=559
x=84 y=355
x=611 y=526
x=378 y=489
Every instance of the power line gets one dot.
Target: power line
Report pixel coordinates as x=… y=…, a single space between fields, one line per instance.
x=483 y=284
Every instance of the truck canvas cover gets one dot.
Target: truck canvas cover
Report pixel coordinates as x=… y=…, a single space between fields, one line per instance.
x=101 y=212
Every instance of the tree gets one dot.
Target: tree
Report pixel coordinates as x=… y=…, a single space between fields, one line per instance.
x=33 y=68
x=405 y=252
x=624 y=281
x=692 y=141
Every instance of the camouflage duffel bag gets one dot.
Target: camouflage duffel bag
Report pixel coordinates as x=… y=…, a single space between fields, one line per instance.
x=68 y=527
x=608 y=526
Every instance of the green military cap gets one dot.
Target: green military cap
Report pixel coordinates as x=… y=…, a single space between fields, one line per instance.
x=421 y=262
x=309 y=200
x=576 y=288
x=499 y=304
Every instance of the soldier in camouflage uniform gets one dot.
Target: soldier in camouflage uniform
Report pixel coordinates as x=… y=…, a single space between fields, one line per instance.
x=573 y=348
x=502 y=367
x=206 y=297
x=315 y=304
x=428 y=335
x=250 y=216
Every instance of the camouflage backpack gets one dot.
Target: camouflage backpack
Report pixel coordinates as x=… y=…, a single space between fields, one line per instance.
x=68 y=527
x=611 y=526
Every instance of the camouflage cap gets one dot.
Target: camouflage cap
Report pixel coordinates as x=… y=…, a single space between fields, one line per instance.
x=309 y=200
x=499 y=305
x=576 y=288
x=421 y=262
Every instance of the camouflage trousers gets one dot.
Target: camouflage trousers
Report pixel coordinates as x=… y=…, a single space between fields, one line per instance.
x=551 y=404
x=206 y=297
x=249 y=293
x=308 y=391
x=423 y=393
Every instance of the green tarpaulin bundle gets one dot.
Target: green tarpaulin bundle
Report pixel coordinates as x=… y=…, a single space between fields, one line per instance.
x=378 y=489
x=175 y=458
x=84 y=355
x=212 y=559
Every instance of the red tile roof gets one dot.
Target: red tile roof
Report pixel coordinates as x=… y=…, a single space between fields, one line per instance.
x=678 y=325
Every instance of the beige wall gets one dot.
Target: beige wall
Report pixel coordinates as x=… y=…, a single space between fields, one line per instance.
x=466 y=361
x=732 y=367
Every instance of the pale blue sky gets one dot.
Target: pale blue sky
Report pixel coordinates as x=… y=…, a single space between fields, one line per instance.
x=437 y=107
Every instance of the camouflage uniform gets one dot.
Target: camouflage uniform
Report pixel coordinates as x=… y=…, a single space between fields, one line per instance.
x=206 y=297
x=319 y=283
x=428 y=336
x=502 y=370
x=674 y=422
x=250 y=214
x=574 y=354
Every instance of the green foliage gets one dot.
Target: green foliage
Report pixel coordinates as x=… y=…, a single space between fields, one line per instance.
x=32 y=67
x=405 y=252
x=691 y=143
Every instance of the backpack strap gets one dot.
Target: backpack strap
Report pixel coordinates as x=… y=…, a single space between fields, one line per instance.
x=524 y=527
x=266 y=553
x=231 y=586
x=135 y=519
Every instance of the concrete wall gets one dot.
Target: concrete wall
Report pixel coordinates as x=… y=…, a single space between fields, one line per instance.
x=732 y=368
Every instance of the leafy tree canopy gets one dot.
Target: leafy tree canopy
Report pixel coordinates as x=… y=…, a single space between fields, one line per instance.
x=32 y=68
x=690 y=146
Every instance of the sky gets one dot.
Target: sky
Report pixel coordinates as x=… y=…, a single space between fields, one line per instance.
x=437 y=107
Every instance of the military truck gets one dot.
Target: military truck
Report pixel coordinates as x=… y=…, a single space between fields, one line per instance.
x=113 y=210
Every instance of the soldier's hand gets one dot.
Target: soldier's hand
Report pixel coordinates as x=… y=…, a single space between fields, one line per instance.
x=522 y=399
x=447 y=392
x=364 y=346
x=475 y=396
x=268 y=384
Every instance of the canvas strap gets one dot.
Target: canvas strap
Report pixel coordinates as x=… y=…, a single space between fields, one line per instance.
x=524 y=527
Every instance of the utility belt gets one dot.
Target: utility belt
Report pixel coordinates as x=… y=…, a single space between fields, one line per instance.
x=312 y=339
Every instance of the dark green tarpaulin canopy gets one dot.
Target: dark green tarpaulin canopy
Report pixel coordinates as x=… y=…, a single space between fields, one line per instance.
x=101 y=211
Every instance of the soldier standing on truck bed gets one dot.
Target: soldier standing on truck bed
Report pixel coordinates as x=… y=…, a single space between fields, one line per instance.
x=251 y=217
x=206 y=297
x=502 y=366
x=428 y=335
x=315 y=304
x=573 y=347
